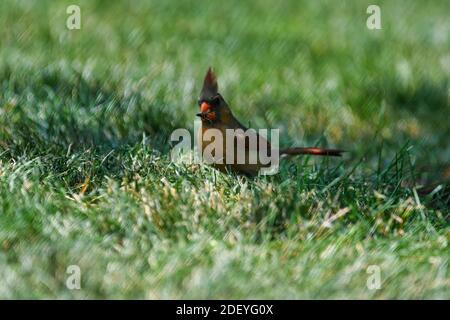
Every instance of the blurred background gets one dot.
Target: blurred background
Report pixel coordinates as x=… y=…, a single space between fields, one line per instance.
x=79 y=110
x=314 y=70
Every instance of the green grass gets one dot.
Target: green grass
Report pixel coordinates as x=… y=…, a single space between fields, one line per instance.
x=86 y=177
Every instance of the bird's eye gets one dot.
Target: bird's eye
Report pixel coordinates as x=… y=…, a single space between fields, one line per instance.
x=216 y=100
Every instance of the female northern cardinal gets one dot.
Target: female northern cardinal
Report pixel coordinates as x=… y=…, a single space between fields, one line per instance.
x=216 y=114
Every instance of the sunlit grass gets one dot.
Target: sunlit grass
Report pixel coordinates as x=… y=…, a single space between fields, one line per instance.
x=86 y=178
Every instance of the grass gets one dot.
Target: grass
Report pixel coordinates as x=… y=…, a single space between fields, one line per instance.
x=86 y=177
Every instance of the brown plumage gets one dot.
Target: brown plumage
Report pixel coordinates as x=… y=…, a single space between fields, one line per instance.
x=312 y=151
x=216 y=114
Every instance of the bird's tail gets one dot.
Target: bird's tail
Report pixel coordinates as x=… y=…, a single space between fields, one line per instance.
x=312 y=151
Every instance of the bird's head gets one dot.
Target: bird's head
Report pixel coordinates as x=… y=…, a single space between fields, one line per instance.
x=213 y=108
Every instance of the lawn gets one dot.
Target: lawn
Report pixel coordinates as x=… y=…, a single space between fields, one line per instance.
x=86 y=178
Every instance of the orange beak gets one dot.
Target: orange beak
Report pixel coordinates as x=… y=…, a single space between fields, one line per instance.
x=204 y=107
x=206 y=113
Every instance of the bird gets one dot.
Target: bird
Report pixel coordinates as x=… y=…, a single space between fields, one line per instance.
x=215 y=113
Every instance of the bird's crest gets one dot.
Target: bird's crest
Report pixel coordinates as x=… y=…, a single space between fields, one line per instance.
x=210 y=87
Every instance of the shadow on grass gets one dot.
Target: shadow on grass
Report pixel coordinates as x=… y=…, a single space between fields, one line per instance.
x=62 y=109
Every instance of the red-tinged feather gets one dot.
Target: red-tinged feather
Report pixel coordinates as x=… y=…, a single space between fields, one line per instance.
x=210 y=87
x=313 y=151
x=210 y=77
